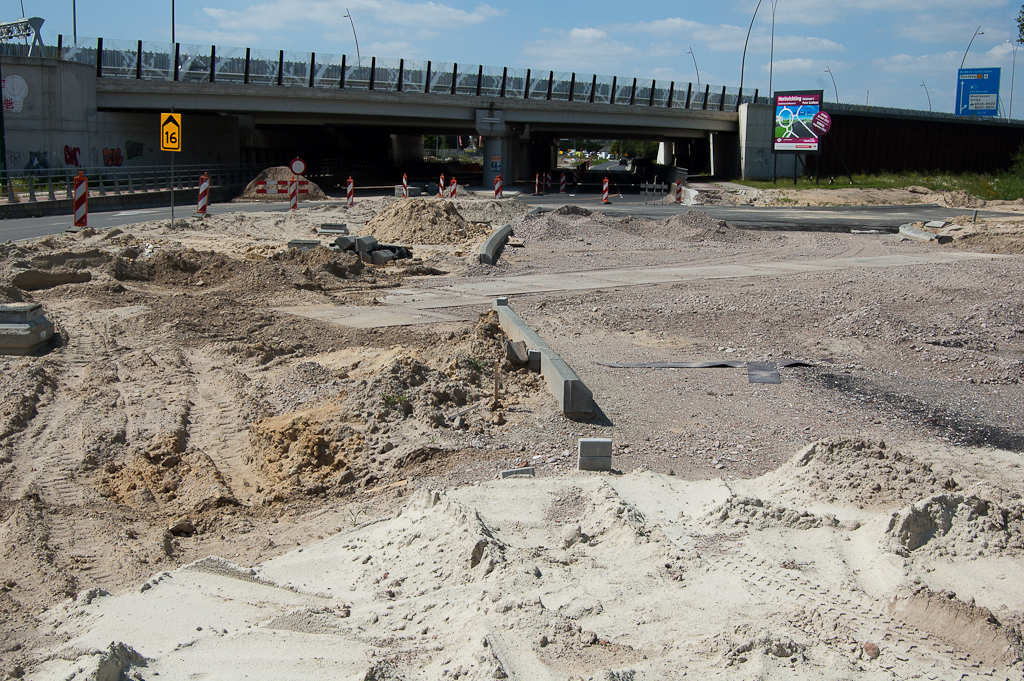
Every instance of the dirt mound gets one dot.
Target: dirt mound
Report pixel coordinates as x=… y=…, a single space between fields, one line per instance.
x=863 y=472
x=165 y=478
x=271 y=176
x=572 y=210
x=423 y=221
x=959 y=198
x=958 y=525
x=569 y=223
x=696 y=225
x=759 y=514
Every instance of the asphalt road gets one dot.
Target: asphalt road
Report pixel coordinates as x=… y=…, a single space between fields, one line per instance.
x=838 y=219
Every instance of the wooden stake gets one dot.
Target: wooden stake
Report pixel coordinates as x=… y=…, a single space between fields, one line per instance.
x=497 y=382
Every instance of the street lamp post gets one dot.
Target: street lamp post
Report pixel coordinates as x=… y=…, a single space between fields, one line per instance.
x=74 y=22
x=827 y=69
x=927 y=95
x=1013 y=71
x=690 y=52
x=771 y=55
x=976 y=34
x=743 y=62
x=359 y=60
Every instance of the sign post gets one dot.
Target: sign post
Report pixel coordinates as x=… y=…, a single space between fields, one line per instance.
x=170 y=140
x=977 y=92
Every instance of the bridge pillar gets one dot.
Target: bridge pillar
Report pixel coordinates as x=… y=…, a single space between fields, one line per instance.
x=498 y=146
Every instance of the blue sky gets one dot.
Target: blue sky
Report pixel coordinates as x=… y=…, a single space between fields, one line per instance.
x=879 y=51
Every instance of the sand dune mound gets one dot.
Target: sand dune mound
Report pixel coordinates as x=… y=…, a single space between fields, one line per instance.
x=423 y=221
x=271 y=177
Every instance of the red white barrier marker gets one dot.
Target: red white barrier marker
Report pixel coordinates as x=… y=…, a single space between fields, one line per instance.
x=454 y=189
x=679 y=191
x=604 y=199
x=561 y=184
x=405 y=186
x=261 y=188
x=440 y=187
x=547 y=182
x=497 y=186
x=204 y=194
x=81 y=200
x=351 y=192
x=536 y=186
x=293 y=194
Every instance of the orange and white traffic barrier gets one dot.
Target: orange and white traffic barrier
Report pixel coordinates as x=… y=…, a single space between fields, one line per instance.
x=497 y=186
x=405 y=186
x=561 y=184
x=547 y=182
x=293 y=194
x=536 y=186
x=679 y=191
x=204 y=194
x=454 y=189
x=604 y=199
x=351 y=192
x=81 y=200
x=440 y=187
x=261 y=188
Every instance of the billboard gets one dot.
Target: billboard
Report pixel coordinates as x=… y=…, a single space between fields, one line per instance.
x=796 y=128
x=977 y=92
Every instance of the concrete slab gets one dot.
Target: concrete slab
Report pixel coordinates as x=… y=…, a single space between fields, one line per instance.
x=370 y=317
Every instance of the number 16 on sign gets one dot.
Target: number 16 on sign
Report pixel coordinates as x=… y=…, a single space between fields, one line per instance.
x=170 y=140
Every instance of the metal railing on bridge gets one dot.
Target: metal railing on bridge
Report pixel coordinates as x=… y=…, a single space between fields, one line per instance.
x=144 y=60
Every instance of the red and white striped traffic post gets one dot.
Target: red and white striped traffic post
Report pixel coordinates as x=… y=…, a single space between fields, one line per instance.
x=454 y=189
x=351 y=191
x=81 y=200
x=561 y=184
x=547 y=182
x=293 y=194
x=536 y=186
x=440 y=187
x=405 y=186
x=204 y=194
x=497 y=186
x=679 y=191
x=604 y=199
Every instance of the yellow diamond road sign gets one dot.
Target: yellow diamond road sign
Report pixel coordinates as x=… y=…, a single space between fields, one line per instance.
x=170 y=132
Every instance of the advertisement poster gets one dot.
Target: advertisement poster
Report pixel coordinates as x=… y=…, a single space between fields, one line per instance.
x=796 y=131
x=977 y=92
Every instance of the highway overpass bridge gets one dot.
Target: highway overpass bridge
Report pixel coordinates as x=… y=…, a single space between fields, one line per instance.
x=95 y=103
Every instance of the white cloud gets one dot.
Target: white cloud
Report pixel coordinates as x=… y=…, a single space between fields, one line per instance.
x=801 y=65
x=576 y=47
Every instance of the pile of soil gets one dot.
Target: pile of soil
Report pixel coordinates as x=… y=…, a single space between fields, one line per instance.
x=696 y=225
x=271 y=176
x=423 y=221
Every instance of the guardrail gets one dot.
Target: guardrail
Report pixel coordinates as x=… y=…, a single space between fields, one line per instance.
x=50 y=184
x=143 y=60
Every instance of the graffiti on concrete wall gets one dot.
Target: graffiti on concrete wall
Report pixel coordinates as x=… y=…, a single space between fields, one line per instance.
x=112 y=157
x=37 y=160
x=71 y=156
x=133 y=149
x=15 y=90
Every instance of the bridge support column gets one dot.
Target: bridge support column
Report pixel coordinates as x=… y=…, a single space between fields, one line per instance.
x=499 y=147
x=757 y=126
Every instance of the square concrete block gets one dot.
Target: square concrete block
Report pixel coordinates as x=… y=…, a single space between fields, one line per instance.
x=365 y=244
x=382 y=256
x=595 y=454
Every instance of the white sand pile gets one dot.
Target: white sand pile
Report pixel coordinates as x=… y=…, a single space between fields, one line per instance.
x=423 y=221
x=594 y=576
x=271 y=176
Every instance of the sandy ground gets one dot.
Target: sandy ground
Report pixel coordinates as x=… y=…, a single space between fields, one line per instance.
x=862 y=519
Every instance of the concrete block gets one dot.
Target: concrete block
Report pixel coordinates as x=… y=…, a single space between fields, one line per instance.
x=333 y=228
x=344 y=243
x=382 y=256
x=24 y=328
x=595 y=454
x=304 y=244
x=365 y=244
x=516 y=352
x=936 y=224
x=492 y=245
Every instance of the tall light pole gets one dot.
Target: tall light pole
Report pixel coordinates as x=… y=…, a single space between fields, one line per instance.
x=976 y=34
x=74 y=22
x=359 y=60
x=743 y=62
x=833 y=82
x=771 y=56
x=1013 y=71
x=690 y=52
x=928 y=95
x=173 y=41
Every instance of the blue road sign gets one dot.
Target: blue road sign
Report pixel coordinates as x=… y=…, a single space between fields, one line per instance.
x=977 y=92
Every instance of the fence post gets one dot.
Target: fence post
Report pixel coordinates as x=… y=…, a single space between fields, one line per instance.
x=117 y=183
x=49 y=187
x=70 y=183
x=31 y=188
x=99 y=184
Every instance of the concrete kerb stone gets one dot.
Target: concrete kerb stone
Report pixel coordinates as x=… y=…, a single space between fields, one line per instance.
x=24 y=328
x=492 y=245
x=915 y=233
x=573 y=397
x=516 y=472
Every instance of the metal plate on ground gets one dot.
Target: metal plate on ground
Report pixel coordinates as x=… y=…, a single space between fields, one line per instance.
x=763 y=372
